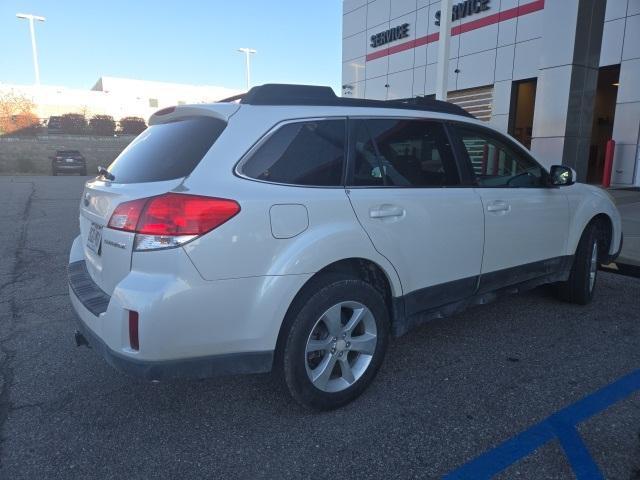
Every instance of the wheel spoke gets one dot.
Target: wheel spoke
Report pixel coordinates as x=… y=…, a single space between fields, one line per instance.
x=364 y=343
x=333 y=320
x=319 y=345
x=356 y=317
x=345 y=369
x=322 y=373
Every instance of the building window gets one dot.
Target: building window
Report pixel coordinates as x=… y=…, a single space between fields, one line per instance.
x=153 y=102
x=523 y=100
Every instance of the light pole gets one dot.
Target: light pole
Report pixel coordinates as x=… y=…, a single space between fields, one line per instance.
x=34 y=50
x=442 y=72
x=247 y=52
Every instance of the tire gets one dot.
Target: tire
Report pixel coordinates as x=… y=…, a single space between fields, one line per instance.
x=320 y=319
x=580 y=286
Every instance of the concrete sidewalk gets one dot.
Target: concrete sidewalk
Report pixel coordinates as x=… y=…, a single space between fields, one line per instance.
x=628 y=202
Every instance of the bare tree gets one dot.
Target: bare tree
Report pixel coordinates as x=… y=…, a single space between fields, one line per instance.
x=16 y=113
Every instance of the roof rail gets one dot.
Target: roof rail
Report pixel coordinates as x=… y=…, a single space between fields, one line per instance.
x=284 y=94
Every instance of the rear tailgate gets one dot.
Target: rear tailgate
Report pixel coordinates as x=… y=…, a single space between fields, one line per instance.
x=156 y=162
x=107 y=252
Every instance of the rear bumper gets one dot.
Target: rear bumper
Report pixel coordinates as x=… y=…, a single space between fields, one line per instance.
x=202 y=367
x=188 y=326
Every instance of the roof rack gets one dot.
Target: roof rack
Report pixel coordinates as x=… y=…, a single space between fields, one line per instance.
x=284 y=94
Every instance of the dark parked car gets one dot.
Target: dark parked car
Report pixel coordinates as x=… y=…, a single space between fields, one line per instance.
x=68 y=161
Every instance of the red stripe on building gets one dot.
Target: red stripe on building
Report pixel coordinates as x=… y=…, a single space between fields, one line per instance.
x=532 y=7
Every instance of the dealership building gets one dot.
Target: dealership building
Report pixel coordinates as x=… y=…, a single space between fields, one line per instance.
x=562 y=76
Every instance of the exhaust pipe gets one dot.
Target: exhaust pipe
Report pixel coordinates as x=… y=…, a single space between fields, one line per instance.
x=81 y=340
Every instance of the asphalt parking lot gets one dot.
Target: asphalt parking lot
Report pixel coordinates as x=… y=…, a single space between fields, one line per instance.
x=447 y=393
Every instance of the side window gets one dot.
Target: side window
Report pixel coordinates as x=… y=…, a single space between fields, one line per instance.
x=305 y=153
x=402 y=153
x=497 y=165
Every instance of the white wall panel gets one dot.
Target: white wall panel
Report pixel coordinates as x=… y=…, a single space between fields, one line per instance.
x=476 y=70
x=348 y=5
x=629 y=81
x=430 y=84
x=633 y=8
x=548 y=151
x=354 y=22
x=526 y=58
x=627 y=123
x=354 y=46
x=612 y=36
x=353 y=70
x=552 y=102
x=507 y=32
x=504 y=63
x=377 y=67
x=378 y=13
x=419 y=80
x=631 y=47
x=501 y=122
x=376 y=89
x=422 y=22
x=358 y=90
x=400 y=85
x=479 y=40
x=624 y=164
x=401 y=61
x=420 y=56
x=615 y=9
x=432 y=50
x=501 y=98
x=530 y=26
x=508 y=4
x=402 y=7
x=559 y=34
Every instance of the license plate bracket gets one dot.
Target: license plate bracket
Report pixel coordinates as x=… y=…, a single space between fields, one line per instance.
x=94 y=239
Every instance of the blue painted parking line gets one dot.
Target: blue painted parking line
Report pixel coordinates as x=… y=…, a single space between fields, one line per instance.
x=561 y=425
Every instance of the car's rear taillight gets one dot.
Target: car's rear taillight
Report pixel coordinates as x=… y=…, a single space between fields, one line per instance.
x=171 y=219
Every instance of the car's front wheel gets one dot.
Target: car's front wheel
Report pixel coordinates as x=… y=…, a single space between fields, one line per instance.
x=336 y=342
x=581 y=284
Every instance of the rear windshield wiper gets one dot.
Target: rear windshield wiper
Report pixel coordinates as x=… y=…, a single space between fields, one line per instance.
x=103 y=172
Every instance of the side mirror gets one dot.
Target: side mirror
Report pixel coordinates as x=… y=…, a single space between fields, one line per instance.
x=562 y=176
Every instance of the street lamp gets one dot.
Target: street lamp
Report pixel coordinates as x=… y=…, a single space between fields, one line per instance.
x=247 y=52
x=31 y=18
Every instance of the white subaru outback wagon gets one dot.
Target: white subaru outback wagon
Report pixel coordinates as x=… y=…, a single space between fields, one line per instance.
x=297 y=231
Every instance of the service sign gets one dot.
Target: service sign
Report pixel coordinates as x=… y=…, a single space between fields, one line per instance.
x=465 y=9
x=391 y=35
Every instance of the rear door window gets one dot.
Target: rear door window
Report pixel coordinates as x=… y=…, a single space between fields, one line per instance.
x=402 y=153
x=304 y=153
x=167 y=151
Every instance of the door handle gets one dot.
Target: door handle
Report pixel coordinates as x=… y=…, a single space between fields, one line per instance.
x=386 y=211
x=498 y=206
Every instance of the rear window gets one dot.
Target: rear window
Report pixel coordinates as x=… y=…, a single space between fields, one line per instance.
x=305 y=153
x=167 y=151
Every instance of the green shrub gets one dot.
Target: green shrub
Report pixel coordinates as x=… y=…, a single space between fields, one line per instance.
x=102 y=125
x=73 y=123
x=132 y=125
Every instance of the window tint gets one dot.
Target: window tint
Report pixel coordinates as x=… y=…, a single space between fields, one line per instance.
x=497 y=165
x=306 y=153
x=402 y=153
x=167 y=151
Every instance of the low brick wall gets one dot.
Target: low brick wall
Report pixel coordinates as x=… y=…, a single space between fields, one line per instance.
x=32 y=154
